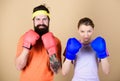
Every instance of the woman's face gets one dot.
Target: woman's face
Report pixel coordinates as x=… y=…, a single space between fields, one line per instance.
x=85 y=33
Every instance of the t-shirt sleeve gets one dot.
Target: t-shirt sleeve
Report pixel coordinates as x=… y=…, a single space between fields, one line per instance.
x=107 y=52
x=59 y=49
x=19 y=46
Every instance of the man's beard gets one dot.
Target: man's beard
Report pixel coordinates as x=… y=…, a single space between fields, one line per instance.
x=41 y=31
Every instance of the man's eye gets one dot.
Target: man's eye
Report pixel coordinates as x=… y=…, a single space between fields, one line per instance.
x=37 y=19
x=45 y=19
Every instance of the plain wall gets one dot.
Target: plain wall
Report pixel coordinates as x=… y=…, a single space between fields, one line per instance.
x=16 y=18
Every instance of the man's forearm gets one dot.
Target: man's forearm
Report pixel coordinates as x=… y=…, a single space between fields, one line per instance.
x=55 y=63
x=21 y=60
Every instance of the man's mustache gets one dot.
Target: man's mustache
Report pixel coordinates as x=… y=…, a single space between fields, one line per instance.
x=41 y=25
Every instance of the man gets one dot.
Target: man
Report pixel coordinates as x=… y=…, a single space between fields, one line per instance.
x=39 y=51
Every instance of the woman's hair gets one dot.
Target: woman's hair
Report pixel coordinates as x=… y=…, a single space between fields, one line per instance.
x=86 y=21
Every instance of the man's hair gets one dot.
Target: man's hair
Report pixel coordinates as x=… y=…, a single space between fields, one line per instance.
x=41 y=7
x=86 y=21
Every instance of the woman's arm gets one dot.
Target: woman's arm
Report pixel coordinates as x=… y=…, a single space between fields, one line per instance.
x=66 y=67
x=105 y=66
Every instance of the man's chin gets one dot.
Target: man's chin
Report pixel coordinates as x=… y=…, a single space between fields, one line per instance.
x=41 y=30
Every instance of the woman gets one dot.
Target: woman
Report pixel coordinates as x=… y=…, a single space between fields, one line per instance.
x=86 y=54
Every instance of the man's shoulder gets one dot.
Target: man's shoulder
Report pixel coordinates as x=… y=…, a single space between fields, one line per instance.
x=57 y=39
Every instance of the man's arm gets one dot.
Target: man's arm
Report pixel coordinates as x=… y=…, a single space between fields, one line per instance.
x=54 y=51
x=21 y=60
x=24 y=46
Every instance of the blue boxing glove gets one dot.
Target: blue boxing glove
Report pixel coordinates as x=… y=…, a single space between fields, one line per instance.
x=73 y=46
x=99 y=45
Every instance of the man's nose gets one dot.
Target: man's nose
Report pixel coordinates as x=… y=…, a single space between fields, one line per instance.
x=41 y=22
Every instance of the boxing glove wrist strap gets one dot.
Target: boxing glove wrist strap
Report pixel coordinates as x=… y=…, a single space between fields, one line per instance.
x=27 y=47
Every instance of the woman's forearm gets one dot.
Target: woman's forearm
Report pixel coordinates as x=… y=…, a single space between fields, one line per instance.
x=66 y=67
x=105 y=66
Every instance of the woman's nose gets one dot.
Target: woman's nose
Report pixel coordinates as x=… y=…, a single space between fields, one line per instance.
x=86 y=34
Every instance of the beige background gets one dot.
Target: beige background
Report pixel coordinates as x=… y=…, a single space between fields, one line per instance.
x=15 y=19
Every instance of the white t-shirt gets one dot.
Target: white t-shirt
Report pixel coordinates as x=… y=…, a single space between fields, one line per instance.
x=86 y=65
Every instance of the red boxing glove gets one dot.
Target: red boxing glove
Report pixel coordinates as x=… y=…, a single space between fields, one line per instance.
x=49 y=43
x=30 y=39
